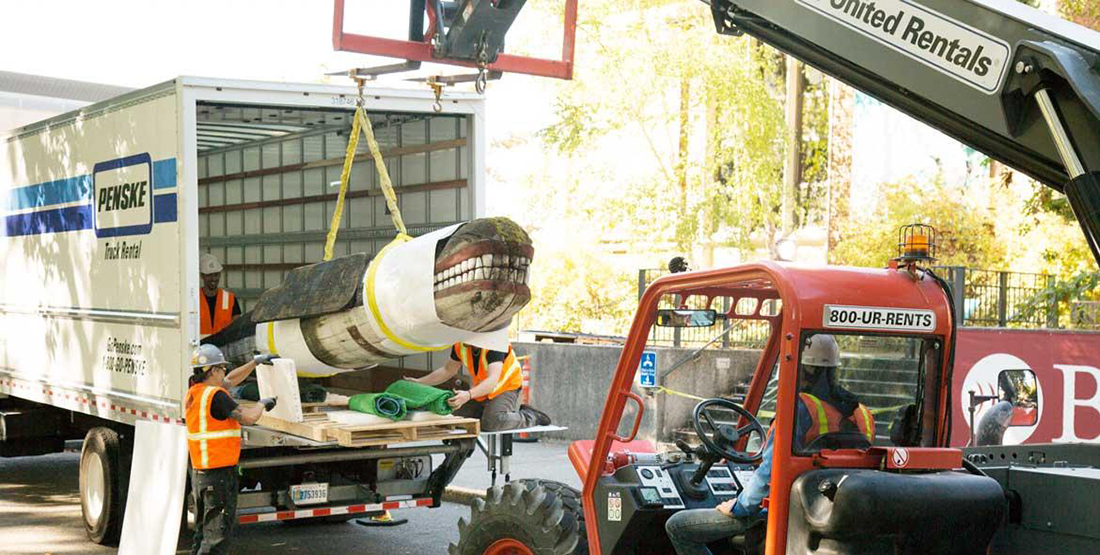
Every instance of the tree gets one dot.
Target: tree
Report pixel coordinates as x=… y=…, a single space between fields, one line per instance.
x=669 y=141
x=966 y=234
x=661 y=74
x=1082 y=12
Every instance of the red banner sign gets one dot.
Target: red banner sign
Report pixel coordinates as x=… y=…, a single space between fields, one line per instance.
x=1067 y=365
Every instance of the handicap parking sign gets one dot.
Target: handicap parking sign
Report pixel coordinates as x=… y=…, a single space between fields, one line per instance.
x=647 y=369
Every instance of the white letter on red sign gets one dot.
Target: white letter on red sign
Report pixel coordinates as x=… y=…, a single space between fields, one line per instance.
x=1070 y=401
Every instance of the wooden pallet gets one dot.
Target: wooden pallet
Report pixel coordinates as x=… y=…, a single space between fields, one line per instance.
x=317 y=426
x=400 y=432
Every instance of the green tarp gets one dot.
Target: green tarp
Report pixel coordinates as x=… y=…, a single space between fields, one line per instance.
x=379 y=404
x=401 y=396
x=422 y=397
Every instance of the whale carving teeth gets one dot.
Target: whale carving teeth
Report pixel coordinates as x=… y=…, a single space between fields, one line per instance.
x=510 y=268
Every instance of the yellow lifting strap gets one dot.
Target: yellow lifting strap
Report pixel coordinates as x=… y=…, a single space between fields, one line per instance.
x=361 y=123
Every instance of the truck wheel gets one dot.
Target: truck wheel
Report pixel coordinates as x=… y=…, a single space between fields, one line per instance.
x=525 y=517
x=102 y=499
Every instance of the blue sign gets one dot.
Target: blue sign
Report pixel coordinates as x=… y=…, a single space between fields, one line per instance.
x=647 y=369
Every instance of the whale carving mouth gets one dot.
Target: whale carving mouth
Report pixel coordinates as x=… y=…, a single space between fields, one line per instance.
x=479 y=262
x=481 y=274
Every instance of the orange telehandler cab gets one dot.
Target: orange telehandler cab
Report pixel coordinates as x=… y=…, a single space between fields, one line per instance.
x=900 y=491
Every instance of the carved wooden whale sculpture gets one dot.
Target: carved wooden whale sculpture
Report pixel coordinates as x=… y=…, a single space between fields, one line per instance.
x=459 y=284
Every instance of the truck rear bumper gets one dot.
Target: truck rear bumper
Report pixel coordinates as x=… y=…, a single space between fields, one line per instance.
x=335 y=511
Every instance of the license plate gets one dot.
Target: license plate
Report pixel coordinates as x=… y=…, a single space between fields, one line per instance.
x=309 y=494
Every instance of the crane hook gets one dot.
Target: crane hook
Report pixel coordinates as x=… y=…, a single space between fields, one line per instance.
x=437 y=87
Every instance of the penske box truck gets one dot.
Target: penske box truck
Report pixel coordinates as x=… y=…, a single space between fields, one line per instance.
x=106 y=211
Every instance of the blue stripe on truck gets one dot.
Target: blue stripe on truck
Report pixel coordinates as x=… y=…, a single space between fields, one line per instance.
x=77 y=218
x=164 y=208
x=75 y=189
x=72 y=218
x=164 y=174
x=62 y=191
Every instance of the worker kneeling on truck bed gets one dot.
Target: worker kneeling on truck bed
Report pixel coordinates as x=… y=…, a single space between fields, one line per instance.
x=214 y=444
x=217 y=307
x=827 y=414
x=494 y=397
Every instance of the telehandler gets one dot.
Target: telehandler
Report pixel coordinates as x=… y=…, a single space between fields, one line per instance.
x=1013 y=82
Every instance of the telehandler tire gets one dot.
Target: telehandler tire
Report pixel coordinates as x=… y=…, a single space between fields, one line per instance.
x=525 y=517
x=102 y=485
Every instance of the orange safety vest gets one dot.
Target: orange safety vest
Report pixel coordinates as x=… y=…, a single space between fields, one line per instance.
x=826 y=419
x=223 y=312
x=511 y=376
x=212 y=443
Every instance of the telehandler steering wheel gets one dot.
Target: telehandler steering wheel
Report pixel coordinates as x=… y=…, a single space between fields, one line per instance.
x=723 y=439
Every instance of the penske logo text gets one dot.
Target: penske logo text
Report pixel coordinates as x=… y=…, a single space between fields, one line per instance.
x=963 y=52
x=124 y=196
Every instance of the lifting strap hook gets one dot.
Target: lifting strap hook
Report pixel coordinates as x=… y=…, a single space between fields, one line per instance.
x=437 y=87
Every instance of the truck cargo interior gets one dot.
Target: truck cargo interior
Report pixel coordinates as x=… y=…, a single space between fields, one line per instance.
x=268 y=179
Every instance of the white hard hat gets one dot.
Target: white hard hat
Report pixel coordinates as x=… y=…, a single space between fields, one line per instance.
x=207 y=355
x=821 y=350
x=208 y=264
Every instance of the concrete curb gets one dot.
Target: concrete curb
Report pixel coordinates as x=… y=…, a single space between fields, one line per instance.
x=465 y=496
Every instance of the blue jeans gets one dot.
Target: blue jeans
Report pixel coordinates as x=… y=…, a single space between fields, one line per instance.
x=690 y=531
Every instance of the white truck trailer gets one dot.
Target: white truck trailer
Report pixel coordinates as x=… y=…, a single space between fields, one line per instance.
x=105 y=213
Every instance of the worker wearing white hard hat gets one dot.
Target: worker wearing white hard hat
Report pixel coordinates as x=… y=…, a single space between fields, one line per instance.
x=217 y=307
x=825 y=410
x=214 y=422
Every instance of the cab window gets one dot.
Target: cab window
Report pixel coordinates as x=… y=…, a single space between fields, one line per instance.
x=856 y=391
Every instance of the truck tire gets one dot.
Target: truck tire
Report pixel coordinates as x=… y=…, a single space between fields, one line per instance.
x=525 y=517
x=102 y=497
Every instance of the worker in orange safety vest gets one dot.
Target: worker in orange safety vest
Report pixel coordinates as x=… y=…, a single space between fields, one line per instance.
x=832 y=409
x=217 y=307
x=214 y=422
x=826 y=412
x=494 y=395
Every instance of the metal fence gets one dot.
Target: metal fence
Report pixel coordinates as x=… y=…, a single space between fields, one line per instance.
x=1001 y=299
x=990 y=299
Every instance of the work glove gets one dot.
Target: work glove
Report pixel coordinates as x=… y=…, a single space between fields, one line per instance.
x=269 y=403
x=264 y=359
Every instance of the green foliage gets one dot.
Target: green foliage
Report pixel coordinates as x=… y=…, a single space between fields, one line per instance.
x=1082 y=12
x=576 y=127
x=1080 y=286
x=1045 y=200
x=648 y=54
x=813 y=195
x=965 y=234
x=577 y=291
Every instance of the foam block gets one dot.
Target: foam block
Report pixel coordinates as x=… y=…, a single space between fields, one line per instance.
x=158 y=478
x=280 y=379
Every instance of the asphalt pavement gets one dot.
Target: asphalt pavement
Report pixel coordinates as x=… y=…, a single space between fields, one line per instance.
x=40 y=512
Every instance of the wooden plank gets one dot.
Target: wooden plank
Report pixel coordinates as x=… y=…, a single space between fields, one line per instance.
x=409 y=424
x=315 y=430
